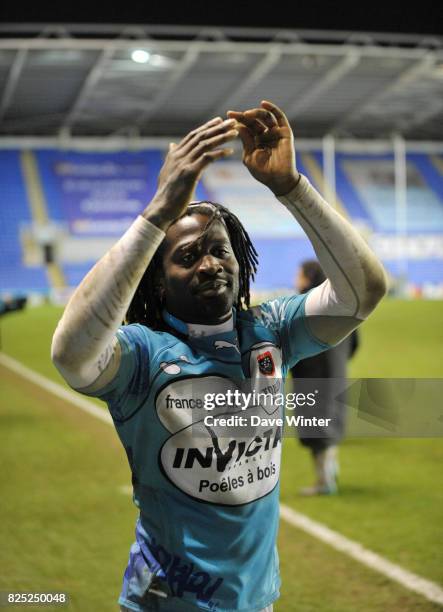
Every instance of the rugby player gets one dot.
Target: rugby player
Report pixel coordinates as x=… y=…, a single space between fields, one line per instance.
x=180 y=278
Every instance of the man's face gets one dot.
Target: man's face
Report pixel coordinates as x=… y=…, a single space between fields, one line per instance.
x=199 y=281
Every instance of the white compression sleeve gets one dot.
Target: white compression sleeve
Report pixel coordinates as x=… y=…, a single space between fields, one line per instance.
x=84 y=341
x=355 y=278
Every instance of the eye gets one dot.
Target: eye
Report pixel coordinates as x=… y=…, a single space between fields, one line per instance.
x=221 y=252
x=188 y=258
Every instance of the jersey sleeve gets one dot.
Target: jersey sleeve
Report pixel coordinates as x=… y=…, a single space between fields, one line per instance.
x=286 y=317
x=131 y=383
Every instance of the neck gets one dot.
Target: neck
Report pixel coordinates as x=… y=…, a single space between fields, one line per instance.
x=221 y=325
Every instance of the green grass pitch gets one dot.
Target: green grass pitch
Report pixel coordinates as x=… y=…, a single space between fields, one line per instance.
x=66 y=522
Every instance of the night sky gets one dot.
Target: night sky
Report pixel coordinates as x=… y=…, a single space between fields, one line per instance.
x=424 y=17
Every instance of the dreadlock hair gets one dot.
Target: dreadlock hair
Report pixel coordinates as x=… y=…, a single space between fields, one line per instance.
x=146 y=306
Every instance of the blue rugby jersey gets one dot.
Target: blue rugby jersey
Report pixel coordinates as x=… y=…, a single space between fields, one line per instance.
x=208 y=495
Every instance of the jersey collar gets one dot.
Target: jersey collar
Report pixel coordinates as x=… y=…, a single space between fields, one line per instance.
x=196 y=330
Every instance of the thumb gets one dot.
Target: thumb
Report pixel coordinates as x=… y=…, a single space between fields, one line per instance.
x=172 y=145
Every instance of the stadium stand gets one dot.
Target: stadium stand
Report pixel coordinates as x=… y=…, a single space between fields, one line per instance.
x=345 y=190
x=90 y=198
x=15 y=214
x=372 y=182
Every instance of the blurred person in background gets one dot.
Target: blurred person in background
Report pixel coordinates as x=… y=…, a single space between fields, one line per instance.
x=330 y=364
x=180 y=277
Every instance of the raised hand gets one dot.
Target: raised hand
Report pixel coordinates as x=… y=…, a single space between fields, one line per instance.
x=268 y=146
x=183 y=167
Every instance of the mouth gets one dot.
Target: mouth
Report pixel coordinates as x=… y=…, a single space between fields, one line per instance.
x=213 y=287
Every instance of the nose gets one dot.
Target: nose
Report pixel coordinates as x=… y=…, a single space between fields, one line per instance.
x=210 y=265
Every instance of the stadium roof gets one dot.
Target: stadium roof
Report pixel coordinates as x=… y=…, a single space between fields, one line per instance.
x=82 y=80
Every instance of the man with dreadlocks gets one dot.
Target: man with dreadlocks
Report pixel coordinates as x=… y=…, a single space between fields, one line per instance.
x=208 y=495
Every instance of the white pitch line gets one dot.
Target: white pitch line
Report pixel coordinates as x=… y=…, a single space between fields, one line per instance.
x=71 y=396
x=428 y=589
x=411 y=581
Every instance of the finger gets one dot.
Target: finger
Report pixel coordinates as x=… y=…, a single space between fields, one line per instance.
x=246 y=137
x=235 y=115
x=172 y=145
x=268 y=137
x=264 y=116
x=208 y=157
x=207 y=145
x=204 y=135
x=212 y=122
x=248 y=119
x=282 y=120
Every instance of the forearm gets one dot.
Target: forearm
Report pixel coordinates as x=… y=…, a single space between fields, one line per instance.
x=356 y=279
x=83 y=342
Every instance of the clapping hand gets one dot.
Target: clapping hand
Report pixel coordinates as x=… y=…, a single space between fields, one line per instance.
x=268 y=146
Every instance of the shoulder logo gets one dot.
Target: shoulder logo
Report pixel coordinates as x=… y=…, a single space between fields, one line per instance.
x=266 y=363
x=221 y=344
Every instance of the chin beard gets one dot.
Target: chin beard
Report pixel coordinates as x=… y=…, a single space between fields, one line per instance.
x=214 y=308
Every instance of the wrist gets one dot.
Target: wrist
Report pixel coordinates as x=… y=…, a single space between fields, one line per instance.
x=285 y=186
x=156 y=215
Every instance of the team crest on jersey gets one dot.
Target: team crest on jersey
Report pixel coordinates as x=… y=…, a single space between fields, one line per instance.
x=266 y=364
